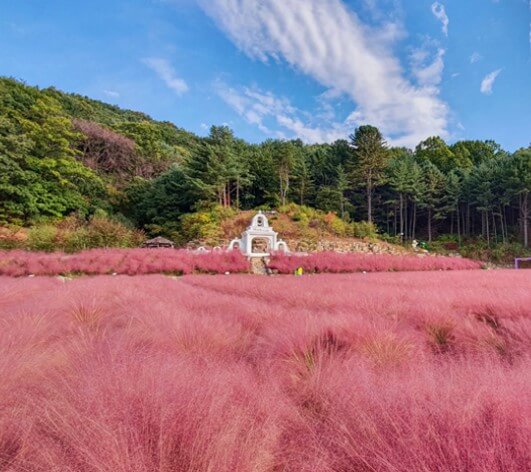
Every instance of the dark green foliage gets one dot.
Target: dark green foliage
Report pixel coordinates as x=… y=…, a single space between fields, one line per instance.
x=370 y=161
x=40 y=173
x=63 y=154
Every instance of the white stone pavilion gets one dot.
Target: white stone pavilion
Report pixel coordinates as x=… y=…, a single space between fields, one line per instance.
x=259 y=239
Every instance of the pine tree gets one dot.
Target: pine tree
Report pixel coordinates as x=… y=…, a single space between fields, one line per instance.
x=370 y=161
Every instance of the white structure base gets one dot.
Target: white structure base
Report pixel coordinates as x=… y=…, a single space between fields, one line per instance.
x=259 y=230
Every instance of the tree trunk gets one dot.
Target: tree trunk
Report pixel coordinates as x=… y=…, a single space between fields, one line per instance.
x=414 y=221
x=458 y=224
x=468 y=219
x=501 y=224
x=524 y=216
x=429 y=225
x=452 y=224
x=342 y=207
x=494 y=229
x=402 y=217
x=487 y=227
x=284 y=186
x=395 y=227
x=463 y=221
x=369 y=201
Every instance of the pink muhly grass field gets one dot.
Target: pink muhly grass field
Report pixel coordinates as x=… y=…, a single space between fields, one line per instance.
x=361 y=372
x=182 y=262
x=335 y=263
x=120 y=261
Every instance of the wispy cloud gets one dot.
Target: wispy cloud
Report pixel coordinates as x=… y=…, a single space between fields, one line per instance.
x=166 y=73
x=327 y=41
x=440 y=13
x=475 y=57
x=276 y=116
x=426 y=67
x=112 y=93
x=488 y=82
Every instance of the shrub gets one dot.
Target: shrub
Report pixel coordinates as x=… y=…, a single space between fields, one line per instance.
x=203 y=226
x=104 y=232
x=71 y=235
x=42 y=238
x=498 y=253
x=363 y=229
x=12 y=237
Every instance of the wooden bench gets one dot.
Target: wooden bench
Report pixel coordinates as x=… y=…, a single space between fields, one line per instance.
x=519 y=260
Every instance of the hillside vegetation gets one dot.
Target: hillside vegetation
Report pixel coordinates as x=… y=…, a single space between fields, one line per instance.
x=64 y=156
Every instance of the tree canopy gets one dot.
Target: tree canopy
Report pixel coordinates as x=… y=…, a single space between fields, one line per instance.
x=63 y=153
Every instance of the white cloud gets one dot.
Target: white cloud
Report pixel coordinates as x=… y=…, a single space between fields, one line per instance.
x=440 y=13
x=475 y=57
x=327 y=41
x=166 y=73
x=260 y=107
x=427 y=70
x=488 y=82
x=111 y=93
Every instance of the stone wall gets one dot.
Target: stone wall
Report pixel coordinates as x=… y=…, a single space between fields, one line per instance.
x=345 y=245
x=341 y=245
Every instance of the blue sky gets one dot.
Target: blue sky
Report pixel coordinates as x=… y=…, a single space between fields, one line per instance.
x=313 y=69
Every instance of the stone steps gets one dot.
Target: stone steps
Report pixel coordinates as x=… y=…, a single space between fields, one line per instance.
x=259 y=265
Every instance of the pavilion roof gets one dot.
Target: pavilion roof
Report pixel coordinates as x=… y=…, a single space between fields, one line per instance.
x=159 y=240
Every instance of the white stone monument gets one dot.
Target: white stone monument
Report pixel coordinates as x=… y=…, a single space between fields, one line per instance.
x=259 y=240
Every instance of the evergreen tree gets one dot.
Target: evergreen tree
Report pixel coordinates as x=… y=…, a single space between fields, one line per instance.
x=370 y=161
x=431 y=198
x=518 y=181
x=404 y=177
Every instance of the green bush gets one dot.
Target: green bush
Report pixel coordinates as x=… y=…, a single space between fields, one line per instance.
x=42 y=238
x=104 y=232
x=71 y=235
x=363 y=229
x=392 y=239
x=203 y=226
x=503 y=253
x=76 y=240
x=12 y=237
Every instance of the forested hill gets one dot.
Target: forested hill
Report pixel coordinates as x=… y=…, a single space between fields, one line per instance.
x=63 y=154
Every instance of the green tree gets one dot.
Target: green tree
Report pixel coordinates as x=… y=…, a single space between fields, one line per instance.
x=433 y=185
x=284 y=162
x=405 y=178
x=436 y=151
x=370 y=161
x=41 y=173
x=518 y=180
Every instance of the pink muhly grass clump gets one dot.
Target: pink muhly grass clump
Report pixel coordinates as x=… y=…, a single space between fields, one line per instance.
x=120 y=261
x=332 y=262
x=363 y=372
